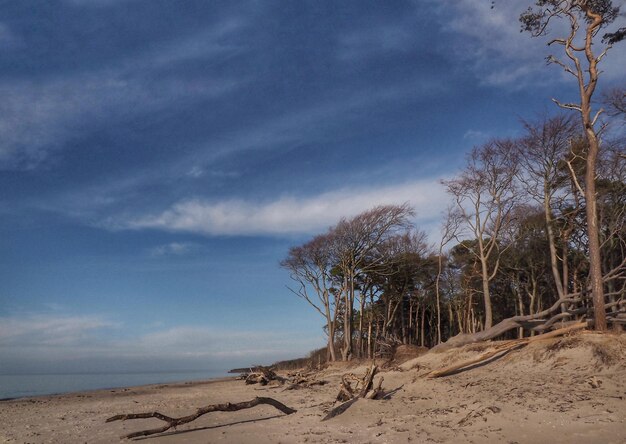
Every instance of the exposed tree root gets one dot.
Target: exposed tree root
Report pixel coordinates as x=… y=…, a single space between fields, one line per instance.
x=174 y=422
x=505 y=347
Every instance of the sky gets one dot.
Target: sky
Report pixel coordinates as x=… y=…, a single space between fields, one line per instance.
x=158 y=159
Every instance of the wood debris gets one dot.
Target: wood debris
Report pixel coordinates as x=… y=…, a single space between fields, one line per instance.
x=174 y=422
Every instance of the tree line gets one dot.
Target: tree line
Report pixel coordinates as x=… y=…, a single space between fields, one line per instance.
x=534 y=236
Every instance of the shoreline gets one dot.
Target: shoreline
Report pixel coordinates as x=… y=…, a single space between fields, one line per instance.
x=570 y=390
x=121 y=388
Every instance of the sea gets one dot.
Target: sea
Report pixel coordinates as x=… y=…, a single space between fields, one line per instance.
x=20 y=386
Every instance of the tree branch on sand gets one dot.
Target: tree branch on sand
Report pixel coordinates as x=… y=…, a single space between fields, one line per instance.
x=503 y=348
x=174 y=422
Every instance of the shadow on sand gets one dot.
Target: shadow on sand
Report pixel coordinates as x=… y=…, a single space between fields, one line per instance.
x=197 y=429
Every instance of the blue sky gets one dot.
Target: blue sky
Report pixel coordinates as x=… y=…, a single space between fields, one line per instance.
x=158 y=158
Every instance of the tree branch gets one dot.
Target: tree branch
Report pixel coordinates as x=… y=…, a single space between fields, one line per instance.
x=174 y=422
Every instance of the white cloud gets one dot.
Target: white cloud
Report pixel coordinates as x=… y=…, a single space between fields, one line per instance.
x=173 y=249
x=490 y=41
x=289 y=215
x=49 y=330
x=475 y=135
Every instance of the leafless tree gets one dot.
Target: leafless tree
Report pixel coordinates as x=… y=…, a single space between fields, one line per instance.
x=356 y=241
x=449 y=230
x=310 y=266
x=615 y=101
x=485 y=194
x=542 y=152
x=585 y=18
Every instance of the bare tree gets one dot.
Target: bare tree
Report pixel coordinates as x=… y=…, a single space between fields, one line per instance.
x=356 y=241
x=449 y=229
x=615 y=101
x=485 y=194
x=310 y=266
x=542 y=152
x=585 y=18
x=405 y=256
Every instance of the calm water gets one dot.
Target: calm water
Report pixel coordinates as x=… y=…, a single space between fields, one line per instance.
x=17 y=386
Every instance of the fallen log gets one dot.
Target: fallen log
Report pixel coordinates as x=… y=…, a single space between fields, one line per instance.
x=505 y=347
x=536 y=322
x=175 y=422
x=305 y=384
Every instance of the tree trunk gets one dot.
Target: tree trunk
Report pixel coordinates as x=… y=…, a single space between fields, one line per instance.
x=595 y=259
x=437 y=293
x=331 y=341
x=554 y=261
x=486 y=294
x=360 y=337
x=422 y=330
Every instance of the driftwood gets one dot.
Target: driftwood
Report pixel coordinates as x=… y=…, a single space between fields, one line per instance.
x=537 y=322
x=174 y=422
x=504 y=347
x=376 y=392
x=300 y=379
x=304 y=383
x=345 y=389
x=347 y=393
x=263 y=375
x=340 y=409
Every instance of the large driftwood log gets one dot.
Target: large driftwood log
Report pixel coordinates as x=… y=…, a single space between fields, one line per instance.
x=538 y=322
x=504 y=347
x=174 y=422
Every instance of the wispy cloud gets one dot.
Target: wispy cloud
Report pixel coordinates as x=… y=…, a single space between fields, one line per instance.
x=490 y=41
x=288 y=214
x=49 y=329
x=376 y=40
x=173 y=249
x=41 y=116
x=475 y=135
x=311 y=123
x=8 y=39
x=82 y=343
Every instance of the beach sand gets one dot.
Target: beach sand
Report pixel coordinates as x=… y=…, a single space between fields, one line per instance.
x=570 y=390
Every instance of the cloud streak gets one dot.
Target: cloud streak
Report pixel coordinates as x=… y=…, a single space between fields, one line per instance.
x=49 y=330
x=40 y=116
x=288 y=215
x=489 y=39
x=173 y=249
x=47 y=341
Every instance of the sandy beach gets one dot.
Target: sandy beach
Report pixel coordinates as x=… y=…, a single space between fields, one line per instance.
x=567 y=390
